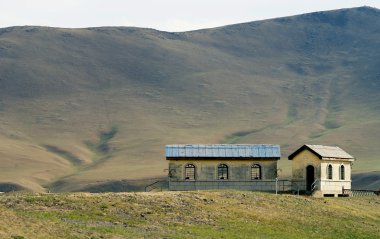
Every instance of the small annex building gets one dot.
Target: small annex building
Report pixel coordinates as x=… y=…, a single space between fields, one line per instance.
x=223 y=166
x=321 y=170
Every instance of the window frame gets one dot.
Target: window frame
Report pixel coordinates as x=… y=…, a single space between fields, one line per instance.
x=342 y=174
x=329 y=172
x=255 y=167
x=190 y=171
x=222 y=172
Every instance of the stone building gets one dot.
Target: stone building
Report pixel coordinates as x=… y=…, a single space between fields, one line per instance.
x=321 y=170
x=223 y=166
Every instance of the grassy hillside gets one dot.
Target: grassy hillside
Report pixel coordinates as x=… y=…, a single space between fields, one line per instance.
x=222 y=214
x=85 y=106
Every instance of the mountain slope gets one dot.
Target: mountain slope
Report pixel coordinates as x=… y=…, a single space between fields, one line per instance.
x=102 y=102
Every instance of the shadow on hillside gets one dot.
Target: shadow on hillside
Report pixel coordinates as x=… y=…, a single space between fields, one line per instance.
x=11 y=187
x=122 y=186
x=367 y=181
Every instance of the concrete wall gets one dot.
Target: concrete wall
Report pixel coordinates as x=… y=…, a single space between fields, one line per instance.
x=206 y=174
x=336 y=169
x=335 y=185
x=207 y=170
x=256 y=185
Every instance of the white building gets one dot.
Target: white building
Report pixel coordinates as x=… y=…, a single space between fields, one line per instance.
x=321 y=170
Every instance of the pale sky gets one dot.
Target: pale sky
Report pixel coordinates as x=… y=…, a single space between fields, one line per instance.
x=166 y=15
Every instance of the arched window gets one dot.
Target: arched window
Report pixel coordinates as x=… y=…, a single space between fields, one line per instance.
x=255 y=172
x=341 y=172
x=189 y=172
x=222 y=172
x=329 y=172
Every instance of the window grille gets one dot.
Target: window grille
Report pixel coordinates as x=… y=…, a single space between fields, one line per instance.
x=255 y=172
x=190 y=172
x=222 y=172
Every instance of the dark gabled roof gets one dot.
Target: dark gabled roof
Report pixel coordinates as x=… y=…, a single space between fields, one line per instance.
x=324 y=152
x=223 y=151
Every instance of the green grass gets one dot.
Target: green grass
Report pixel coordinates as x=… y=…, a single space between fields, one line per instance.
x=214 y=214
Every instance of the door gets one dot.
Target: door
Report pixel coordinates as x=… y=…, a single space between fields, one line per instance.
x=309 y=177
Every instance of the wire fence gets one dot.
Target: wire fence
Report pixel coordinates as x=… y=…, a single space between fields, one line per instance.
x=360 y=193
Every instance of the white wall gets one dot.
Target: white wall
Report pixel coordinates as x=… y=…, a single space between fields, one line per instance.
x=335 y=185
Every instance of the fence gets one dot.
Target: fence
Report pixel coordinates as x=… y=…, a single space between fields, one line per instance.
x=360 y=193
x=259 y=185
x=157 y=186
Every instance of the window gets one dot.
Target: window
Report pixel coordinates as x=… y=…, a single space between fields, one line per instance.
x=255 y=172
x=341 y=172
x=190 y=172
x=329 y=172
x=222 y=172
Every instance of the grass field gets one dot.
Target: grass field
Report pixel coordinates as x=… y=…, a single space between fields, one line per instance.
x=208 y=214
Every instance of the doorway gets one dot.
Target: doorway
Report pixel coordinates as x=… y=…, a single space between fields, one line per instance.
x=310 y=177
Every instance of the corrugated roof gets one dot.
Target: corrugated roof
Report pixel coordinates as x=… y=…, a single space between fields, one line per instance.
x=324 y=152
x=223 y=150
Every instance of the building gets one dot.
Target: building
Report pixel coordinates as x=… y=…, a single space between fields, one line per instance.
x=223 y=166
x=321 y=170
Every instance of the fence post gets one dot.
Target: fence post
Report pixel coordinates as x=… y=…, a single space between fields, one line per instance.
x=276 y=185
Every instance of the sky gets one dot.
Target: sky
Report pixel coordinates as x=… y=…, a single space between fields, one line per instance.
x=165 y=15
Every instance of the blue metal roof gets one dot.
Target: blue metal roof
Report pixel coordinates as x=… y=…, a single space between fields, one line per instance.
x=223 y=151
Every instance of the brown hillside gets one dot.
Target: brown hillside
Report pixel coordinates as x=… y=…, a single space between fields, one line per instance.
x=83 y=106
